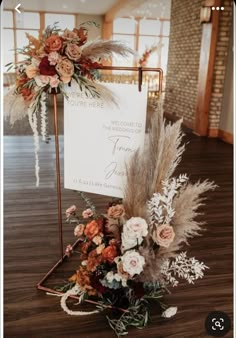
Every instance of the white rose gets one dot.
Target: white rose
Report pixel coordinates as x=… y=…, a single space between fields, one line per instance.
x=133 y=232
x=170 y=312
x=132 y=262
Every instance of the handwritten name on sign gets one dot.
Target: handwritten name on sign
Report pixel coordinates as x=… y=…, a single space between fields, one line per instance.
x=99 y=138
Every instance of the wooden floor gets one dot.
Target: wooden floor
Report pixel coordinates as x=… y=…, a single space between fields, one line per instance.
x=31 y=247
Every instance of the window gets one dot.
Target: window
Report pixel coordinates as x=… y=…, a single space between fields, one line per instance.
x=142 y=34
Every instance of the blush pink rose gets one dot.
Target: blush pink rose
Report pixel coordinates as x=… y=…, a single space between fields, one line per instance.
x=87 y=213
x=164 y=235
x=70 y=210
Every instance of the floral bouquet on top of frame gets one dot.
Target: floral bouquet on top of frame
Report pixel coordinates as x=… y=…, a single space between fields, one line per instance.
x=131 y=253
x=52 y=61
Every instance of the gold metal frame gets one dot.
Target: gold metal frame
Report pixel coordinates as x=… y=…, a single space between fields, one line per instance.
x=59 y=211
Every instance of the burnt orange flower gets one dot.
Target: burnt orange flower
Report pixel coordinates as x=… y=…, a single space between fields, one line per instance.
x=110 y=253
x=84 y=247
x=92 y=229
x=26 y=93
x=83 y=279
x=53 y=43
x=82 y=34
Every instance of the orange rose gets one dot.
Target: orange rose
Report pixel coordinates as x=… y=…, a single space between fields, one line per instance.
x=53 y=43
x=110 y=253
x=92 y=229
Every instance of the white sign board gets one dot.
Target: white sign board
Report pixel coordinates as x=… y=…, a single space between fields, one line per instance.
x=100 y=136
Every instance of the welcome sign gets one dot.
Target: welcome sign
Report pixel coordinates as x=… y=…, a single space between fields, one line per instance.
x=99 y=137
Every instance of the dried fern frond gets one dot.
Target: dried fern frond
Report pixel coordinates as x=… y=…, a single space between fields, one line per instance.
x=105 y=49
x=155 y=163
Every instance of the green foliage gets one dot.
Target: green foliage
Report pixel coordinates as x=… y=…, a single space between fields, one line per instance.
x=136 y=316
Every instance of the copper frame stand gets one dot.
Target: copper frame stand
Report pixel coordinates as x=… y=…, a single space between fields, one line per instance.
x=63 y=256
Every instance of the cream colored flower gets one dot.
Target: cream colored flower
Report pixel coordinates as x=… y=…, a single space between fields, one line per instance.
x=73 y=51
x=133 y=262
x=31 y=71
x=79 y=230
x=100 y=249
x=97 y=240
x=163 y=235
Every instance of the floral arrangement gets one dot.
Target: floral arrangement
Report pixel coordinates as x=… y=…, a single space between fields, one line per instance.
x=53 y=60
x=131 y=253
x=146 y=54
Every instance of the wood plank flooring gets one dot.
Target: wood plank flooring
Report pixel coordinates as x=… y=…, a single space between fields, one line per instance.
x=31 y=247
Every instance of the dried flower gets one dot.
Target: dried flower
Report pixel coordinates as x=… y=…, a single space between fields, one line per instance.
x=87 y=213
x=79 y=230
x=163 y=235
x=133 y=262
x=116 y=211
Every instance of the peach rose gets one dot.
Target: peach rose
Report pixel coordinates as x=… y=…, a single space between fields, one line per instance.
x=100 y=249
x=73 y=51
x=69 y=35
x=116 y=211
x=92 y=229
x=79 y=230
x=53 y=58
x=87 y=213
x=164 y=235
x=110 y=253
x=53 y=43
x=65 y=69
x=31 y=71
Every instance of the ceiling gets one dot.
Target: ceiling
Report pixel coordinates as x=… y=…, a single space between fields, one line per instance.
x=146 y=8
x=133 y=8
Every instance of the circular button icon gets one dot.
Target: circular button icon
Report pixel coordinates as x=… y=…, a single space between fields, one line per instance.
x=217 y=324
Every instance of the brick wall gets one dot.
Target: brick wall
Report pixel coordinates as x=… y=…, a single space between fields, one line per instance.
x=220 y=66
x=183 y=59
x=183 y=62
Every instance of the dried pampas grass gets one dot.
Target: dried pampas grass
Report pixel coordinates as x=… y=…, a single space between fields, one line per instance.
x=147 y=172
x=15 y=107
x=105 y=49
x=155 y=163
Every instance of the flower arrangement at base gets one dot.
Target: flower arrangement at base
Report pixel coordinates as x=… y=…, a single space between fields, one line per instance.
x=131 y=253
x=53 y=61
